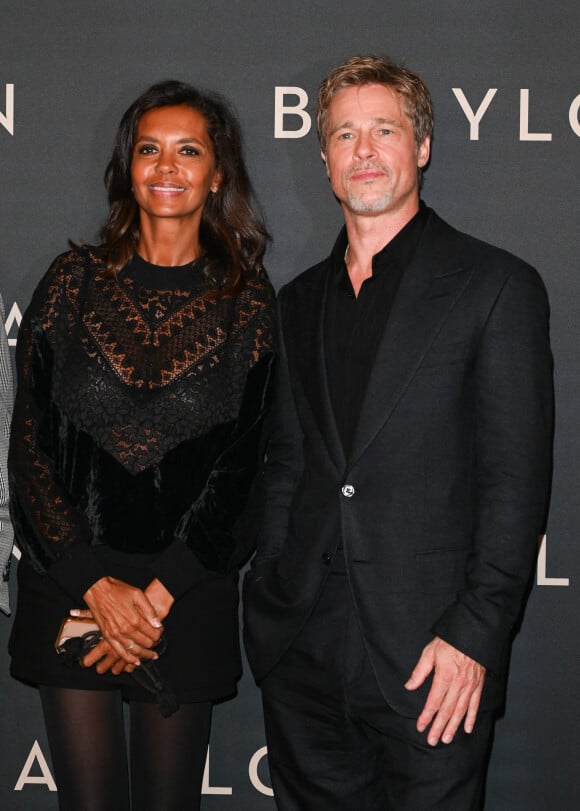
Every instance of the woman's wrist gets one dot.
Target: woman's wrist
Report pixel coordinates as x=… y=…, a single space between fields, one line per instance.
x=95 y=587
x=159 y=597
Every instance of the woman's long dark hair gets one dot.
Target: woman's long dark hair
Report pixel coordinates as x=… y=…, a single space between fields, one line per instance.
x=232 y=236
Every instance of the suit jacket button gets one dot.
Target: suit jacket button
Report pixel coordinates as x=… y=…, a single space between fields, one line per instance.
x=348 y=490
x=326 y=559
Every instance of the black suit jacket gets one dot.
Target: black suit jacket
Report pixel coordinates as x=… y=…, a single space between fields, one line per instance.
x=443 y=497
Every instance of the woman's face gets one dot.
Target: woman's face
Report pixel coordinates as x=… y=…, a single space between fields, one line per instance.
x=173 y=164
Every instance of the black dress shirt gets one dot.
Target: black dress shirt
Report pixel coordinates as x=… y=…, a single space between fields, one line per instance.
x=353 y=325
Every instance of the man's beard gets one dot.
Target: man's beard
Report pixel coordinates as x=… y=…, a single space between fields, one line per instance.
x=360 y=206
x=356 y=201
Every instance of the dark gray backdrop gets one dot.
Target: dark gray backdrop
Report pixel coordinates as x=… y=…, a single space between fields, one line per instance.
x=73 y=66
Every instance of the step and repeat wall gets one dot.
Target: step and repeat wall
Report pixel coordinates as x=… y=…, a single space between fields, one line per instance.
x=505 y=79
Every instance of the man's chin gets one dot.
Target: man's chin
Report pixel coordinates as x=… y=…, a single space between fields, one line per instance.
x=370 y=206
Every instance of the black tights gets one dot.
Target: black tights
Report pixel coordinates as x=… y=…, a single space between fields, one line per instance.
x=86 y=735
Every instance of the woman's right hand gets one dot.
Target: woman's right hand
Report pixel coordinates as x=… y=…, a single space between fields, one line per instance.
x=129 y=624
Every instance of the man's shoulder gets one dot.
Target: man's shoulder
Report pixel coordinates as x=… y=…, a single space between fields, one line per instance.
x=306 y=289
x=311 y=277
x=466 y=250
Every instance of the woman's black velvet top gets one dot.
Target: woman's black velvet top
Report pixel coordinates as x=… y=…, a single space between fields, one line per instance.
x=137 y=419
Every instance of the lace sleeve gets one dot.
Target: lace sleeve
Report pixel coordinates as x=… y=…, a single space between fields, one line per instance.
x=207 y=528
x=51 y=531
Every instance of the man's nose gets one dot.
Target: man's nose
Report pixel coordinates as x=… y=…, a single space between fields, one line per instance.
x=365 y=147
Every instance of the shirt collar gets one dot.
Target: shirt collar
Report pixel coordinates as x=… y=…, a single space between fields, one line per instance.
x=398 y=251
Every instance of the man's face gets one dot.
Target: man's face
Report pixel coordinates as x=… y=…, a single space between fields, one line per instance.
x=371 y=156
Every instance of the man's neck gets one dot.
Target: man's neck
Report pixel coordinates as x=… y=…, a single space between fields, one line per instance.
x=367 y=235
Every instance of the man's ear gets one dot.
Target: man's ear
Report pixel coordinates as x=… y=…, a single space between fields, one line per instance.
x=423 y=152
x=323 y=156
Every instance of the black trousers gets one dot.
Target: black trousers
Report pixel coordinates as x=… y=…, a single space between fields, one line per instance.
x=334 y=744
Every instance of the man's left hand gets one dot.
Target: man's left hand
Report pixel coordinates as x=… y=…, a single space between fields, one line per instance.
x=455 y=692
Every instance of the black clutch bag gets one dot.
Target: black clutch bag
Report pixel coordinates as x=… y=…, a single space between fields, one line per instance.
x=73 y=649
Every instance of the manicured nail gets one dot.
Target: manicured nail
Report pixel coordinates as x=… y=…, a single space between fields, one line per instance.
x=75 y=612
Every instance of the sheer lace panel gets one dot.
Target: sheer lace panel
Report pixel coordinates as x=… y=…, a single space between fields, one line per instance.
x=142 y=370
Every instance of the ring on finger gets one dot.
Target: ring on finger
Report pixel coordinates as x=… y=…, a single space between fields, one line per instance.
x=131 y=646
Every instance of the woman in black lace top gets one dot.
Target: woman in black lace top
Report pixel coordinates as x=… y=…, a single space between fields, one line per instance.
x=143 y=379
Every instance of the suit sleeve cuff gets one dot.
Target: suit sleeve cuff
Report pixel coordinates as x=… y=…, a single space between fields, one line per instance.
x=178 y=569
x=76 y=571
x=460 y=628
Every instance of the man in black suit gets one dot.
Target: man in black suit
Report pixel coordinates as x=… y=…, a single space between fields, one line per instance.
x=406 y=482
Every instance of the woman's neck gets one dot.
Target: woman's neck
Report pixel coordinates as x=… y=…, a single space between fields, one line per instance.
x=169 y=242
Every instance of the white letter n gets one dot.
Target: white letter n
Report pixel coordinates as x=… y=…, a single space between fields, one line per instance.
x=7 y=119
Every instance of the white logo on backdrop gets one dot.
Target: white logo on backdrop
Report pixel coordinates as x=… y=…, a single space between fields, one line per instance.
x=13 y=317
x=7 y=117
x=25 y=778
x=542 y=578
x=36 y=761
x=290 y=109
x=295 y=111
x=282 y=111
x=474 y=116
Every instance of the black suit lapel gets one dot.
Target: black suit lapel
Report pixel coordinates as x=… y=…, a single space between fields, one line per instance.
x=429 y=290
x=309 y=357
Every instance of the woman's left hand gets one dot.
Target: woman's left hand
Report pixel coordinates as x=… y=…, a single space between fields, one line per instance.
x=160 y=598
x=103 y=654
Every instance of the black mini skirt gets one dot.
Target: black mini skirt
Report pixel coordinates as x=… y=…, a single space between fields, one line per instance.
x=202 y=659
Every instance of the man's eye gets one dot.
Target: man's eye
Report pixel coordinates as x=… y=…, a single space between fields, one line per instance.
x=345 y=136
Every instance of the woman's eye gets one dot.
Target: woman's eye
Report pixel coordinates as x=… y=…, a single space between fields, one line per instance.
x=146 y=149
x=189 y=150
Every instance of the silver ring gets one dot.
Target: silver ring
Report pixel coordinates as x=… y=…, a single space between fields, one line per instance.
x=131 y=646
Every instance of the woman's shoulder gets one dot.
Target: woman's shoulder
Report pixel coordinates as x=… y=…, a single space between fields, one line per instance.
x=63 y=280
x=258 y=288
x=77 y=260
x=68 y=269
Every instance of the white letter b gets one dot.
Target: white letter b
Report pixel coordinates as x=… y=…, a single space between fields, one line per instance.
x=280 y=110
